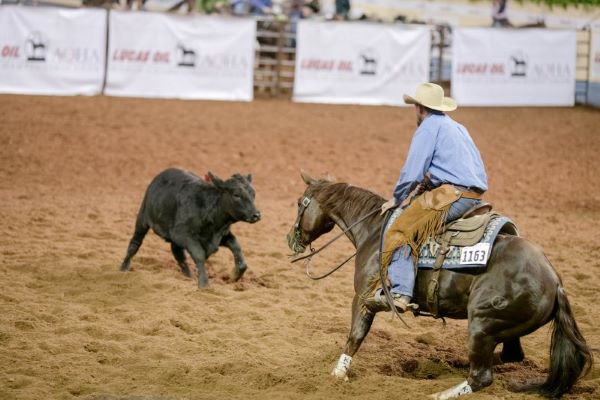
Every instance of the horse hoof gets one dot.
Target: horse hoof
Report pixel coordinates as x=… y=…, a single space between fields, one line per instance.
x=339 y=374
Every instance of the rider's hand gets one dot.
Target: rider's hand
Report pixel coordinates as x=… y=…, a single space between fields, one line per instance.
x=391 y=203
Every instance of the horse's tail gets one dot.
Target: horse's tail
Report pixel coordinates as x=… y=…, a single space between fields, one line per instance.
x=570 y=355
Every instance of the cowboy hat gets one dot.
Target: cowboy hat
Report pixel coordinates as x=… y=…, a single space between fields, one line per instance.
x=431 y=96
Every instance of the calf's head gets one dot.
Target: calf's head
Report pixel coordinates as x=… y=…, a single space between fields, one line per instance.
x=237 y=197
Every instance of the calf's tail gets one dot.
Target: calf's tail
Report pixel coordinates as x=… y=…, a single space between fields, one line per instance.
x=570 y=355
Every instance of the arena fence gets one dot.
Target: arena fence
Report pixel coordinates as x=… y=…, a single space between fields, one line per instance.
x=275 y=59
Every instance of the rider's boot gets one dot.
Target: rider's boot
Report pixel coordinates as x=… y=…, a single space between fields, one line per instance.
x=378 y=302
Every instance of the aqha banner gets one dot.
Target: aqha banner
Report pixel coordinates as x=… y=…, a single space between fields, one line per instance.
x=359 y=63
x=595 y=57
x=186 y=57
x=513 y=67
x=52 y=51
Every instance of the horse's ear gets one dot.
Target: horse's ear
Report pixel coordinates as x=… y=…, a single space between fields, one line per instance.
x=329 y=177
x=306 y=178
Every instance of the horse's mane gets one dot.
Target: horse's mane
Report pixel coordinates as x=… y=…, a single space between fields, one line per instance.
x=345 y=198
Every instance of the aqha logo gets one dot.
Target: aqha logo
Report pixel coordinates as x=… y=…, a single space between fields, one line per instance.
x=187 y=56
x=223 y=64
x=518 y=64
x=368 y=62
x=553 y=71
x=36 y=47
x=75 y=55
x=413 y=71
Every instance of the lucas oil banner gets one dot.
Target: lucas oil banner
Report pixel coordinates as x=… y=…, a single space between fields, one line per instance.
x=186 y=57
x=513 y=67
x=52 y=51
x=359 y=63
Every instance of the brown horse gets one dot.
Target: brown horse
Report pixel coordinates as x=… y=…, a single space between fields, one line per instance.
x=517 y=293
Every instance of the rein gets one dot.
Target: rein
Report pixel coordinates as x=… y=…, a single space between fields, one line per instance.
x=308 y=257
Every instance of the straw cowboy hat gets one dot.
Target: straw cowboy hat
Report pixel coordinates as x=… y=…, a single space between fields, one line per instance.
x=431 y=96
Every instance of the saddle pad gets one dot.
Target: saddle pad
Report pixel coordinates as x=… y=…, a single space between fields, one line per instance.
x=460 y=257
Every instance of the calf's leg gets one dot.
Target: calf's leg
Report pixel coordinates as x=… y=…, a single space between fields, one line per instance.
x=141 y=229
x=180 y=257
x=240 y=266
x=199 y=256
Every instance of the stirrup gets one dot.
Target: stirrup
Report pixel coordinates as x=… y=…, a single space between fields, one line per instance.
x=379 y=303
x=403 y=305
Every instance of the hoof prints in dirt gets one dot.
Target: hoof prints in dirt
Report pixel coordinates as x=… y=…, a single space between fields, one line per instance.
x=114 y=397
x=418 y=368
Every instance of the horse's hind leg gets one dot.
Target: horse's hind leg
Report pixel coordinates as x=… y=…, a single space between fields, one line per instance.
x=512 y=351
x=180 y=258
x=362 y=320
x=481 y=356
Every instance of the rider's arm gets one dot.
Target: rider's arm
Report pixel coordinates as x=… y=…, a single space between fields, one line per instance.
x=417 y=162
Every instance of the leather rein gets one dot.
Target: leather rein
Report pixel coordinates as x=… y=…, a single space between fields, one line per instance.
x=308 y=257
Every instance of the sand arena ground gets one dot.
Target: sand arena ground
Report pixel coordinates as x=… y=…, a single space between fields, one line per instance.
x=73 y=172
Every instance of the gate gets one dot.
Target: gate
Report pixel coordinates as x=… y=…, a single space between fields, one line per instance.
x=275 y=56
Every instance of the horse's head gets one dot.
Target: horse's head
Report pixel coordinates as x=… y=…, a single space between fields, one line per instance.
x=311 y=221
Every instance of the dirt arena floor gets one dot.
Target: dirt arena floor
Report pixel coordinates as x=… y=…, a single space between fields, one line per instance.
x=73 y=172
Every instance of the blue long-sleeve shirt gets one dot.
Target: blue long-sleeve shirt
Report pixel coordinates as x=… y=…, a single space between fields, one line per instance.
x=444 y=148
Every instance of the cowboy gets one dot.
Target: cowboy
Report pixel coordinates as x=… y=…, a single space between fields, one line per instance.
x=443 y=177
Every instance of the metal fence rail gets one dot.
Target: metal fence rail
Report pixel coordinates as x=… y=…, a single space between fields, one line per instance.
x=582 y=66
x=275 y=56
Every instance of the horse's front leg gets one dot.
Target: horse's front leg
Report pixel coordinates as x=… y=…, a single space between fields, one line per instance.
x=361 y=323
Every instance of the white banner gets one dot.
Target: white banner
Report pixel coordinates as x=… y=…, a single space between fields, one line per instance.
x=595 y=57
x=513 y=67
x=52 y=51
x=359 y=63
x=186 y=57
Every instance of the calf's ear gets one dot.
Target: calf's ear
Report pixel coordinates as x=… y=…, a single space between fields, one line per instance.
x=218 y=182
x=249 y=177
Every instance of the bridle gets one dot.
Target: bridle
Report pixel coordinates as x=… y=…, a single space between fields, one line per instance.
x=304 y=203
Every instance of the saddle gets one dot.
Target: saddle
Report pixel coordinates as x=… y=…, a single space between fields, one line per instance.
x=469 y=229
x=465 y=231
